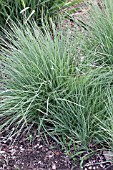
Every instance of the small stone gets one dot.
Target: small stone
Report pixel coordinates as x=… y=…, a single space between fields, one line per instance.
x=40 y=146
x=39 y=162
x=54 y=166
x=37 y=145
x=50 y=154
x=85 y=169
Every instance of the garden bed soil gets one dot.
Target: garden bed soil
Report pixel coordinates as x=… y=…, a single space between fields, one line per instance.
x=31 y=152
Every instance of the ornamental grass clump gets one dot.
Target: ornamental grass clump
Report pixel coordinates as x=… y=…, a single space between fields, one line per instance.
x=80 y=123
x=24 y=10
x=100 y=32
x=39 y=68
x=97 y=50
x=47 y=83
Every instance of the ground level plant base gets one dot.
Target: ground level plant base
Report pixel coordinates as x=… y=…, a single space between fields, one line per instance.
x=30 y=152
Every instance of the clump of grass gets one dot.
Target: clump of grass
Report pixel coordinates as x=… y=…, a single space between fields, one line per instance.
x=98 y=41
x=48 y=84
x=100 y=32
x=81 y=123
x=38 y=10
x=39 y=69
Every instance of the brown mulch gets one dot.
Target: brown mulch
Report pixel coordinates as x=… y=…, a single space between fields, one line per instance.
x=31 y=152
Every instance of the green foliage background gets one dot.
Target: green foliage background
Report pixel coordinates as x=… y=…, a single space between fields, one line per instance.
x=43 y=8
